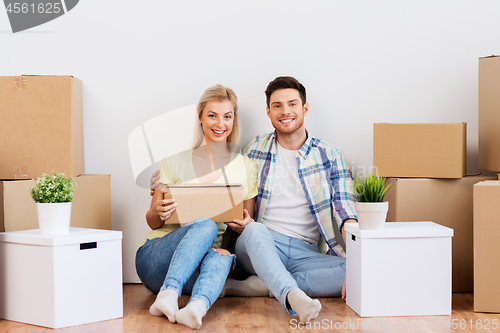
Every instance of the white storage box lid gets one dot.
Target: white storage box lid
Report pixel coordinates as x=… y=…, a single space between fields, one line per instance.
x=75 y=236
x=401 y=230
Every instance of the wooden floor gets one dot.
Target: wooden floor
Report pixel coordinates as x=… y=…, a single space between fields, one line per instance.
x=264 y=314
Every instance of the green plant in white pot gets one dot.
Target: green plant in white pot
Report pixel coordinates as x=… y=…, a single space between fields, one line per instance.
x=53 y=196
x=371 y=207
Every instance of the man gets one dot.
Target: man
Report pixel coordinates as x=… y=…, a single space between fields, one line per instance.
x=300 y=179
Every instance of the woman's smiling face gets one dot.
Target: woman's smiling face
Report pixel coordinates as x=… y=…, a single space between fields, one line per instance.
x=217 y=120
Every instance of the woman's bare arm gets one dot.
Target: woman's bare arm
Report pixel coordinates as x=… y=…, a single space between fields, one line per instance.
x=160 y=209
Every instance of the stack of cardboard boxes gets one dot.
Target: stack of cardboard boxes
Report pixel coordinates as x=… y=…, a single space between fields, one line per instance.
x=487 y=194
x=41 y=130
x=426 y=165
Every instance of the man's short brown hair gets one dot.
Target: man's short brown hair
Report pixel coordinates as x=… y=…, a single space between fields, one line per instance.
x=285 y=82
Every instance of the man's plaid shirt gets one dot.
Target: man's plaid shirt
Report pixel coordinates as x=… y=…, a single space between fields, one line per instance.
x=325 y=178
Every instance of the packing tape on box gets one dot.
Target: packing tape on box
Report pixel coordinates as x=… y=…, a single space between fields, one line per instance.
x=23 y=173
x=20 y=82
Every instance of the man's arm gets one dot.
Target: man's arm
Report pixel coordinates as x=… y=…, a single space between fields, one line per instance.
x=343 y=196
x=343 y=293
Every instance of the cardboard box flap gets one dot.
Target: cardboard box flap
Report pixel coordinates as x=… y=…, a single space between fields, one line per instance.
x=46 y=75
x=488 y=183
x=391 y=230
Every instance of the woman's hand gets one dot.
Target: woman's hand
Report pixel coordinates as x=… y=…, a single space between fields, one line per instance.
x=164 y=207
x=160 y=210
x=239 y=225
x=153 y=182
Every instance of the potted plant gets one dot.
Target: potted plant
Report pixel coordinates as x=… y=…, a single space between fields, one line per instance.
x=371 y=207
x=53 y=196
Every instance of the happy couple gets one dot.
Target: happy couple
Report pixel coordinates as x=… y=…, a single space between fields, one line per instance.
x=295 y=188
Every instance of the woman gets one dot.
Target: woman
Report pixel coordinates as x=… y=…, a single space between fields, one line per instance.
x=174 y=259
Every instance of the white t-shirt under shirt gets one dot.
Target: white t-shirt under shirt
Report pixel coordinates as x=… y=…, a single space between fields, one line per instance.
x=288 y=212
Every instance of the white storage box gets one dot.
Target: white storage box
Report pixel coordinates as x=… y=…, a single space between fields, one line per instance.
x=61 y=280
x=401 y=270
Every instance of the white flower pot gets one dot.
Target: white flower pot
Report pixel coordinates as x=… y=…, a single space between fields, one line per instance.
x=54 y=218
x=371 y=215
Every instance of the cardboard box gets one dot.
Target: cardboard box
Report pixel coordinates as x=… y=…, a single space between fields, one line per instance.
x=489 y=113
x=447 y=202
x=401 y=270
x=486 y=246
x=420 y=150
x=41 y=126
x=61 y=280
x=220 y=202
x=91 y=206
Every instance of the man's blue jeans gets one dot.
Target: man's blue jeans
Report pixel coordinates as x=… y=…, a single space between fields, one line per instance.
x=284 y=263
x=183 y=260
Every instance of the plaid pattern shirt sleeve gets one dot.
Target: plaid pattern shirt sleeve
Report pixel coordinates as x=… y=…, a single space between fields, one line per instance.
x=260 y=150
x=325 y=177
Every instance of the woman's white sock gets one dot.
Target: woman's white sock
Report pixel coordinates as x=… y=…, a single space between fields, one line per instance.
x=307 y=308
x=192 y=314
x=166 y=304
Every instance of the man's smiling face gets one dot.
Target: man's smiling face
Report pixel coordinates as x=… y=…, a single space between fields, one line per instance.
x=286 y=111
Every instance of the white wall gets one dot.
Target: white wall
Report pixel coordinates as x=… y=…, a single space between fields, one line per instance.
x=361 y=61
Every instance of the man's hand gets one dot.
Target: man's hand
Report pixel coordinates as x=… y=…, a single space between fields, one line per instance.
x=343 y=290
x=239 y=225
x=153 y=182
x=343 y=227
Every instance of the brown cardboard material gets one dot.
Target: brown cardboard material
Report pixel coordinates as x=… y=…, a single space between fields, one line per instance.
x=447 y=202
x=420 y=150
x=91 y=207
x=41 y=126
x=489 y=115
x=486 y=246
x=220 y=202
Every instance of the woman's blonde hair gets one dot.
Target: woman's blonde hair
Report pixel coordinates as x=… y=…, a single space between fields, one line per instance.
x=217 y=93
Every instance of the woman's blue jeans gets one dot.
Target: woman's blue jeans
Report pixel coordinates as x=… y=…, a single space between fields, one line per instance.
x=183 y=260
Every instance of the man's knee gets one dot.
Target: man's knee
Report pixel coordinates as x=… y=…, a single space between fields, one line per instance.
x=252 y=234
x=254 y=228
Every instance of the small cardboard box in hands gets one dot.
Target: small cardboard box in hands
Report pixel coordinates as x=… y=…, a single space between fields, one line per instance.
x=219 y=202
